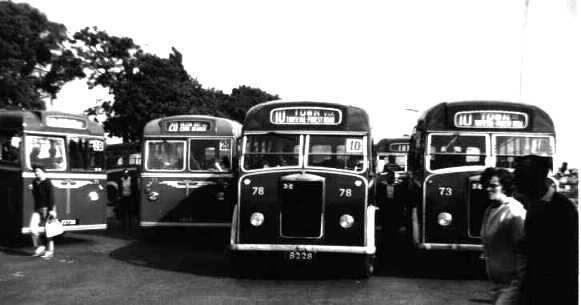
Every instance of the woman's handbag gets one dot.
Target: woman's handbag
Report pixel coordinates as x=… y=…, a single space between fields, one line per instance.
x=53 y=227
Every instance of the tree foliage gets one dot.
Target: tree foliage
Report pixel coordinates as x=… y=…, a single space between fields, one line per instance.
x=241 y=99
x=35 y=61
x=146 y=86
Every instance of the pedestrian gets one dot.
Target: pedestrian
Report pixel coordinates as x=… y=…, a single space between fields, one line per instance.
x=551 y=236
x=43 y=209
x=127 y=193
x=502 y=234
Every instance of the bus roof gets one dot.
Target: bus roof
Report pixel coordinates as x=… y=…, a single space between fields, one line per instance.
x=485 y=116
x=192 y=125
x=395 y=145
x=304 y=115
x=48 y=121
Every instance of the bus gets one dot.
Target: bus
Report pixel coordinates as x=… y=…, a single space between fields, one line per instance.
x=71 y=149
x=451 y=145
x=303 y=190
x=187 y=173
x=121 y=157
x=392 y=152
x=391 y=168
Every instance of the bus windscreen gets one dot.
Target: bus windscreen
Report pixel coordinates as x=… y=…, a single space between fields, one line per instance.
x=340 y=152
x=457 y=150
x=271 y=150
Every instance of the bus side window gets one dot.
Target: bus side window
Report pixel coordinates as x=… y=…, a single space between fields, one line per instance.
x=9 y=149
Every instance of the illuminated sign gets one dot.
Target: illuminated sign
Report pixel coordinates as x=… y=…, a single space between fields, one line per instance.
x=187 y=126
x=305 y=116
x=399 y=147
x=64 y=122
x=491 y=119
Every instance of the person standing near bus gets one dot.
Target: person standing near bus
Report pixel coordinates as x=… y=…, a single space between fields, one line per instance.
x=502 y=234
x=551 y=236
x=127 y=204
x=43 y=208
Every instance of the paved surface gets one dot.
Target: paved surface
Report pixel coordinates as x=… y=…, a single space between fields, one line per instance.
x=192 y=268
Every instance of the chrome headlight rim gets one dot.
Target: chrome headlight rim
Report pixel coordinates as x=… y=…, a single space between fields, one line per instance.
x=256 y=219
x=444 y=219
x=346 y=221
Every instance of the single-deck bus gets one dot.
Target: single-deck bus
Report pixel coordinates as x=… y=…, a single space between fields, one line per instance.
x=450 y=147
x=303 y=191
x=71 y=149
x=187 y=176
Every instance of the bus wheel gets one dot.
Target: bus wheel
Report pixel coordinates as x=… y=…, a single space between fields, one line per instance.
x=365 y=266
x=239 y=264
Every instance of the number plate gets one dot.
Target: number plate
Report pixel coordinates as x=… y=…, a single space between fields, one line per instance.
x=299 y=255
x=68 y=222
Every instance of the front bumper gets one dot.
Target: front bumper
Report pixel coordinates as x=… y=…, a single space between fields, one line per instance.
x=369 y=247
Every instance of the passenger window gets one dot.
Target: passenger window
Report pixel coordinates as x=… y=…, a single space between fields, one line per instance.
x=9 y=149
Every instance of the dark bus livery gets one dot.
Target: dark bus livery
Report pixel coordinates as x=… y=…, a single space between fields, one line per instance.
x=451 y=145
x=304 y=183
x=71 y=149
x=187 y=174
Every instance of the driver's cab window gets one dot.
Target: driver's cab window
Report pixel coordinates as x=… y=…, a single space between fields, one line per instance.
x=48 y=152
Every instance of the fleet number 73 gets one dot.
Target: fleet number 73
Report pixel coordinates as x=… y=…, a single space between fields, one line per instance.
x=445 y=191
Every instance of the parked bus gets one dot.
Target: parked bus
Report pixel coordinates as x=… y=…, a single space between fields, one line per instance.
x=451 y=145
x=121 y=157
x=187 y=176
x=71 y=149
x=391 y=168
x=303 y=191
x=392 y=154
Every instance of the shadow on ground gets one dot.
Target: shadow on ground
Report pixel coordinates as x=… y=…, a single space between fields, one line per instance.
x=204 y=252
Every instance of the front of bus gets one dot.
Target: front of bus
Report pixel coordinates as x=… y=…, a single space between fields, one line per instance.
x=71 y=150
x=478 y=135
x=187 y=178
x=303 y=189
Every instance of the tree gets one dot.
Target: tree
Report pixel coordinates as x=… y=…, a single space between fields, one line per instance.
x=241 y=99
x=35 y=61
x=144 y=86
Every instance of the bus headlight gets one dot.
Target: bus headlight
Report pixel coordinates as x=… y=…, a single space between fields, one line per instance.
x=256 y=219
x=346 y=221
x=444 y=219
x=153 y=196
x=93 y=196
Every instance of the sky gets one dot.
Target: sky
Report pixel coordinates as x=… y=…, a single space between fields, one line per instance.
x=393 y=58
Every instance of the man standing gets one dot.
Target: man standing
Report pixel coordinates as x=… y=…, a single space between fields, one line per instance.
x=127 y=194
x=551 y=236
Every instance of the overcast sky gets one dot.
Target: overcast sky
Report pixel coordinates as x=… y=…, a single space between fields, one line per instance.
x=384 y=56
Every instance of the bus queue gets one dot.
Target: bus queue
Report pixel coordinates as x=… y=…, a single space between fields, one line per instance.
x=297 y=181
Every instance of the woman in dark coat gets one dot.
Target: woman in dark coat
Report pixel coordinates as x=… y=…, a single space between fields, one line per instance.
x=43 y=208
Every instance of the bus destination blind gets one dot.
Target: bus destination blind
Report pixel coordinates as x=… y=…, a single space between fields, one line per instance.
x=305 y=116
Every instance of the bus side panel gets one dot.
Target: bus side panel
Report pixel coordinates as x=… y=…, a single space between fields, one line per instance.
x=449 y=193
x=195 y=200
x=13 y=218
x=87 y=203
